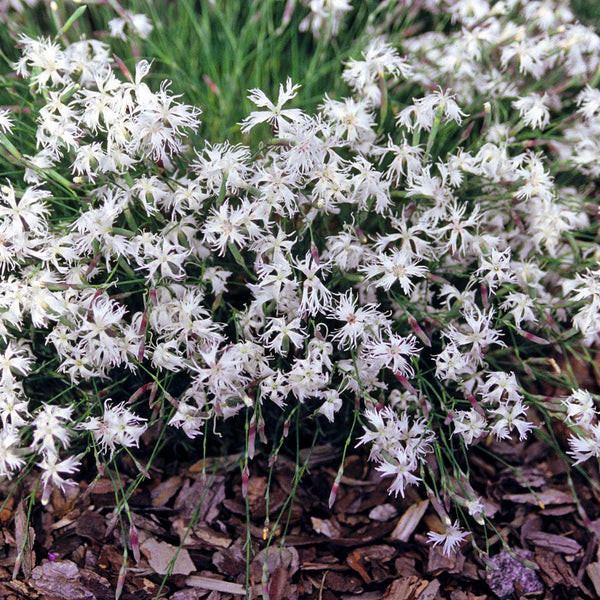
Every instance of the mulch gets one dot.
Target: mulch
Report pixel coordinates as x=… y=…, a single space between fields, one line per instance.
x=194 y=533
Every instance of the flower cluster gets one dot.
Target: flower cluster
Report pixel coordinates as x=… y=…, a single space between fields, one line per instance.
x=360 y=258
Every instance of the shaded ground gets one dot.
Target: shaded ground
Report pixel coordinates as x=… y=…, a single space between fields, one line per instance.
x=369 y=546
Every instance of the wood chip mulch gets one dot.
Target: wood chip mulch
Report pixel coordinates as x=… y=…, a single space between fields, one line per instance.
x=190 y=538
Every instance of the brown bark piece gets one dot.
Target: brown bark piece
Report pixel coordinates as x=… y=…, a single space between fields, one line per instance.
x=406 y=588
x=91 y=525
x=409 y=520
x=556 y=543
x=60 y=579
x=438 y=562
x=431 y=591
x=593 y=572
x=24 y=538
x=555 y=572
x=342 y=583
x=165 y=490
x=280 y=586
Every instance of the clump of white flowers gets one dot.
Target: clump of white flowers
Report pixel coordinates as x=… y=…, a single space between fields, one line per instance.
x=385 y=252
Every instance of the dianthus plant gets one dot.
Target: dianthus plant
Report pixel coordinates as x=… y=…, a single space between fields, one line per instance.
x=419 y=249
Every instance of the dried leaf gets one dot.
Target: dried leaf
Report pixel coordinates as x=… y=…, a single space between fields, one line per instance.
x=409 y=521
x=160 y=555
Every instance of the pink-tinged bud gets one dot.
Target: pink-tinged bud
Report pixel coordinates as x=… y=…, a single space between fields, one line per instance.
x=245 y=479
x=261 y=430
x=139 y=392
x=361 y=236
x=216 y=302
x=315 y=254
x=46 y=494
x=467 y=132
x=518 y=221
x=288 y=11
x=121 y=580
x=123 y=67
x=449 y=418
x=95 y=297
x=286 y=428
x=420 y=333
x=252 y=437
x=334 y=490
x=153 y=297
x=433 y=322
x=437 y=278
x=475 y=405
x=405 y=383
x=484 y=296
x=172 y=400
x=52 y=556
x=143 y=322
x=425 y=406
x=135 y=543
x=212 y=86
x=551 y=322
x=534 y=338
x=112 y=523
x=153 y=390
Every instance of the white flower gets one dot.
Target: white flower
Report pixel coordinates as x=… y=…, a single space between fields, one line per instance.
x=451 y=538
x=53 y=471
x=400 y=467
x=585 y=445
x=469 y=424
x=6 y=122
x=117 y=427
x=399 y=266
x=533 y=110
x=11 y=455
x=325 y=16
x=274 y=114
x=422 y=113
x=332 y=404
